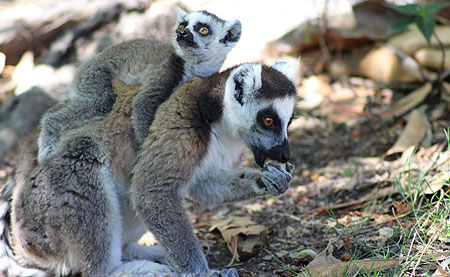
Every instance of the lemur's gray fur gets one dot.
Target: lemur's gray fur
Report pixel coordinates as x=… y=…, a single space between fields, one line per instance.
x=83 y=208
x=200 y=44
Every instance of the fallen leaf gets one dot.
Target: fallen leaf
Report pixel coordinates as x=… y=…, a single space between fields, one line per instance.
x=382 y=218
x=432 y=58
x=412 y=40
x=2 y=61
x=242 y=235
x=401 y=208
x=436 y=183
x=352 y=267
x=413 y=133
x=324 y=258
x=408 y=102
x=386 y=64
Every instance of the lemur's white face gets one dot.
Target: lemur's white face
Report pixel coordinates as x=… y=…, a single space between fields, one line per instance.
x=259 y=106
x=205 y=34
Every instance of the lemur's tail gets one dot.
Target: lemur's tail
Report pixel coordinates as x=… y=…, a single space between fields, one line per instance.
x=8 y=265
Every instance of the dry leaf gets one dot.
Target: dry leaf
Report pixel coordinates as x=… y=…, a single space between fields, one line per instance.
x=352 y=267
x=366 y=266
x=432 y=58
x=409 y=42
x=324 y=258
x=436 y=183
x=389 y=65
x=382 y=218
x=413 y=133
x=245 y=233
x=2 y=61
x=401 y=209
x=408 y=102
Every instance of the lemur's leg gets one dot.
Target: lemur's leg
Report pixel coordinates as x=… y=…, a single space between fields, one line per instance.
x=67 y=217
x=90 y=98
x=239 y=184
x=73 y=114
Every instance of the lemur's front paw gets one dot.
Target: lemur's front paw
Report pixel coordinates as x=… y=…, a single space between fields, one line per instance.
x=275 y=178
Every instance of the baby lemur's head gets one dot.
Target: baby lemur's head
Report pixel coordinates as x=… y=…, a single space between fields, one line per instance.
x=259 y=104
x=204 y=36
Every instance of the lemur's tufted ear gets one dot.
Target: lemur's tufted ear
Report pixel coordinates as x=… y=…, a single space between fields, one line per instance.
x=180 y=13
x=244 y=81
x=288 y=68
x=233 y=33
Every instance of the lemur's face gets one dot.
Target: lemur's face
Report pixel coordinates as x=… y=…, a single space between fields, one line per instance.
x=205 y=34
x=259 y=103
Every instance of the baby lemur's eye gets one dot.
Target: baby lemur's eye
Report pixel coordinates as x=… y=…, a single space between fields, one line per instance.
x=203 y=30
x=268 y=121
x=180 y=27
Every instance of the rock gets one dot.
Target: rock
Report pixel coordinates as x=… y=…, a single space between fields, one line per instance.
x=432 y=58
x=19 y=116
x=387 y=65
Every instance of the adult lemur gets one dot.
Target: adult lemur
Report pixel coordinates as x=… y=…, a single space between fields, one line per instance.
x=200 y=44
x=83 y=208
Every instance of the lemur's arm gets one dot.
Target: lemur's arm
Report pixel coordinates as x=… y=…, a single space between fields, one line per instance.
x=228 y=185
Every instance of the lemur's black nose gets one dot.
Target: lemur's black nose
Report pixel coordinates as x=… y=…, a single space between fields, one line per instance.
x=281 y=152
x=185 y=34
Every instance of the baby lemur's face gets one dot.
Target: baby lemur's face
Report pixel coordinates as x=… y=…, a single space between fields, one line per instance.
x=204 y=34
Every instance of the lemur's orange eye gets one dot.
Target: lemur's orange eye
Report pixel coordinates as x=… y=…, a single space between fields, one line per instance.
x=203 y=30
x=268 y=121
x=180 y=27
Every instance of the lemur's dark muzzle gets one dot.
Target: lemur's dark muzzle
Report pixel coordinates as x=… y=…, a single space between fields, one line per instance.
x=186 y=38
x=280 y=153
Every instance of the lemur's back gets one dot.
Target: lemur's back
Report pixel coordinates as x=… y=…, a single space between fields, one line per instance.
x=133 y=62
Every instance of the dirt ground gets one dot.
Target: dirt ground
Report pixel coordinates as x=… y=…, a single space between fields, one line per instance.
x=331 y=171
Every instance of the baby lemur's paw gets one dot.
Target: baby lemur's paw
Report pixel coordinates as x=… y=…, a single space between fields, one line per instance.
x=275 y=179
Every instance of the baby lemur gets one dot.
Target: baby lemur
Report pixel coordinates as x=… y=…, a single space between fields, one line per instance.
x=201 y=42
x=83 y=208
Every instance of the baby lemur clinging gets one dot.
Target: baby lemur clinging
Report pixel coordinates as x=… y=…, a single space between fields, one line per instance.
x=84 y=207
x=201 y=42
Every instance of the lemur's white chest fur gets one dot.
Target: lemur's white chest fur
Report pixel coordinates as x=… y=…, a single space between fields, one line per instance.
x=224 y=151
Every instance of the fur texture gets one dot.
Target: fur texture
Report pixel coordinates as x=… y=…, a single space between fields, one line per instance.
x=85 y=206
x=157 y=67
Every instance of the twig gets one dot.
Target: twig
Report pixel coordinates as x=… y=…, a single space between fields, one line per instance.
x=234 y=245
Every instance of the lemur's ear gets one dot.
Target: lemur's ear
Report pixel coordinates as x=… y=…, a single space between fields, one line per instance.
x=180 y=13
x=233 y=33
x=288 y=68
x=244 y=81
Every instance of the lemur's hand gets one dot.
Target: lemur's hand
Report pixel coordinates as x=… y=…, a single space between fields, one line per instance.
x=276 y=179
